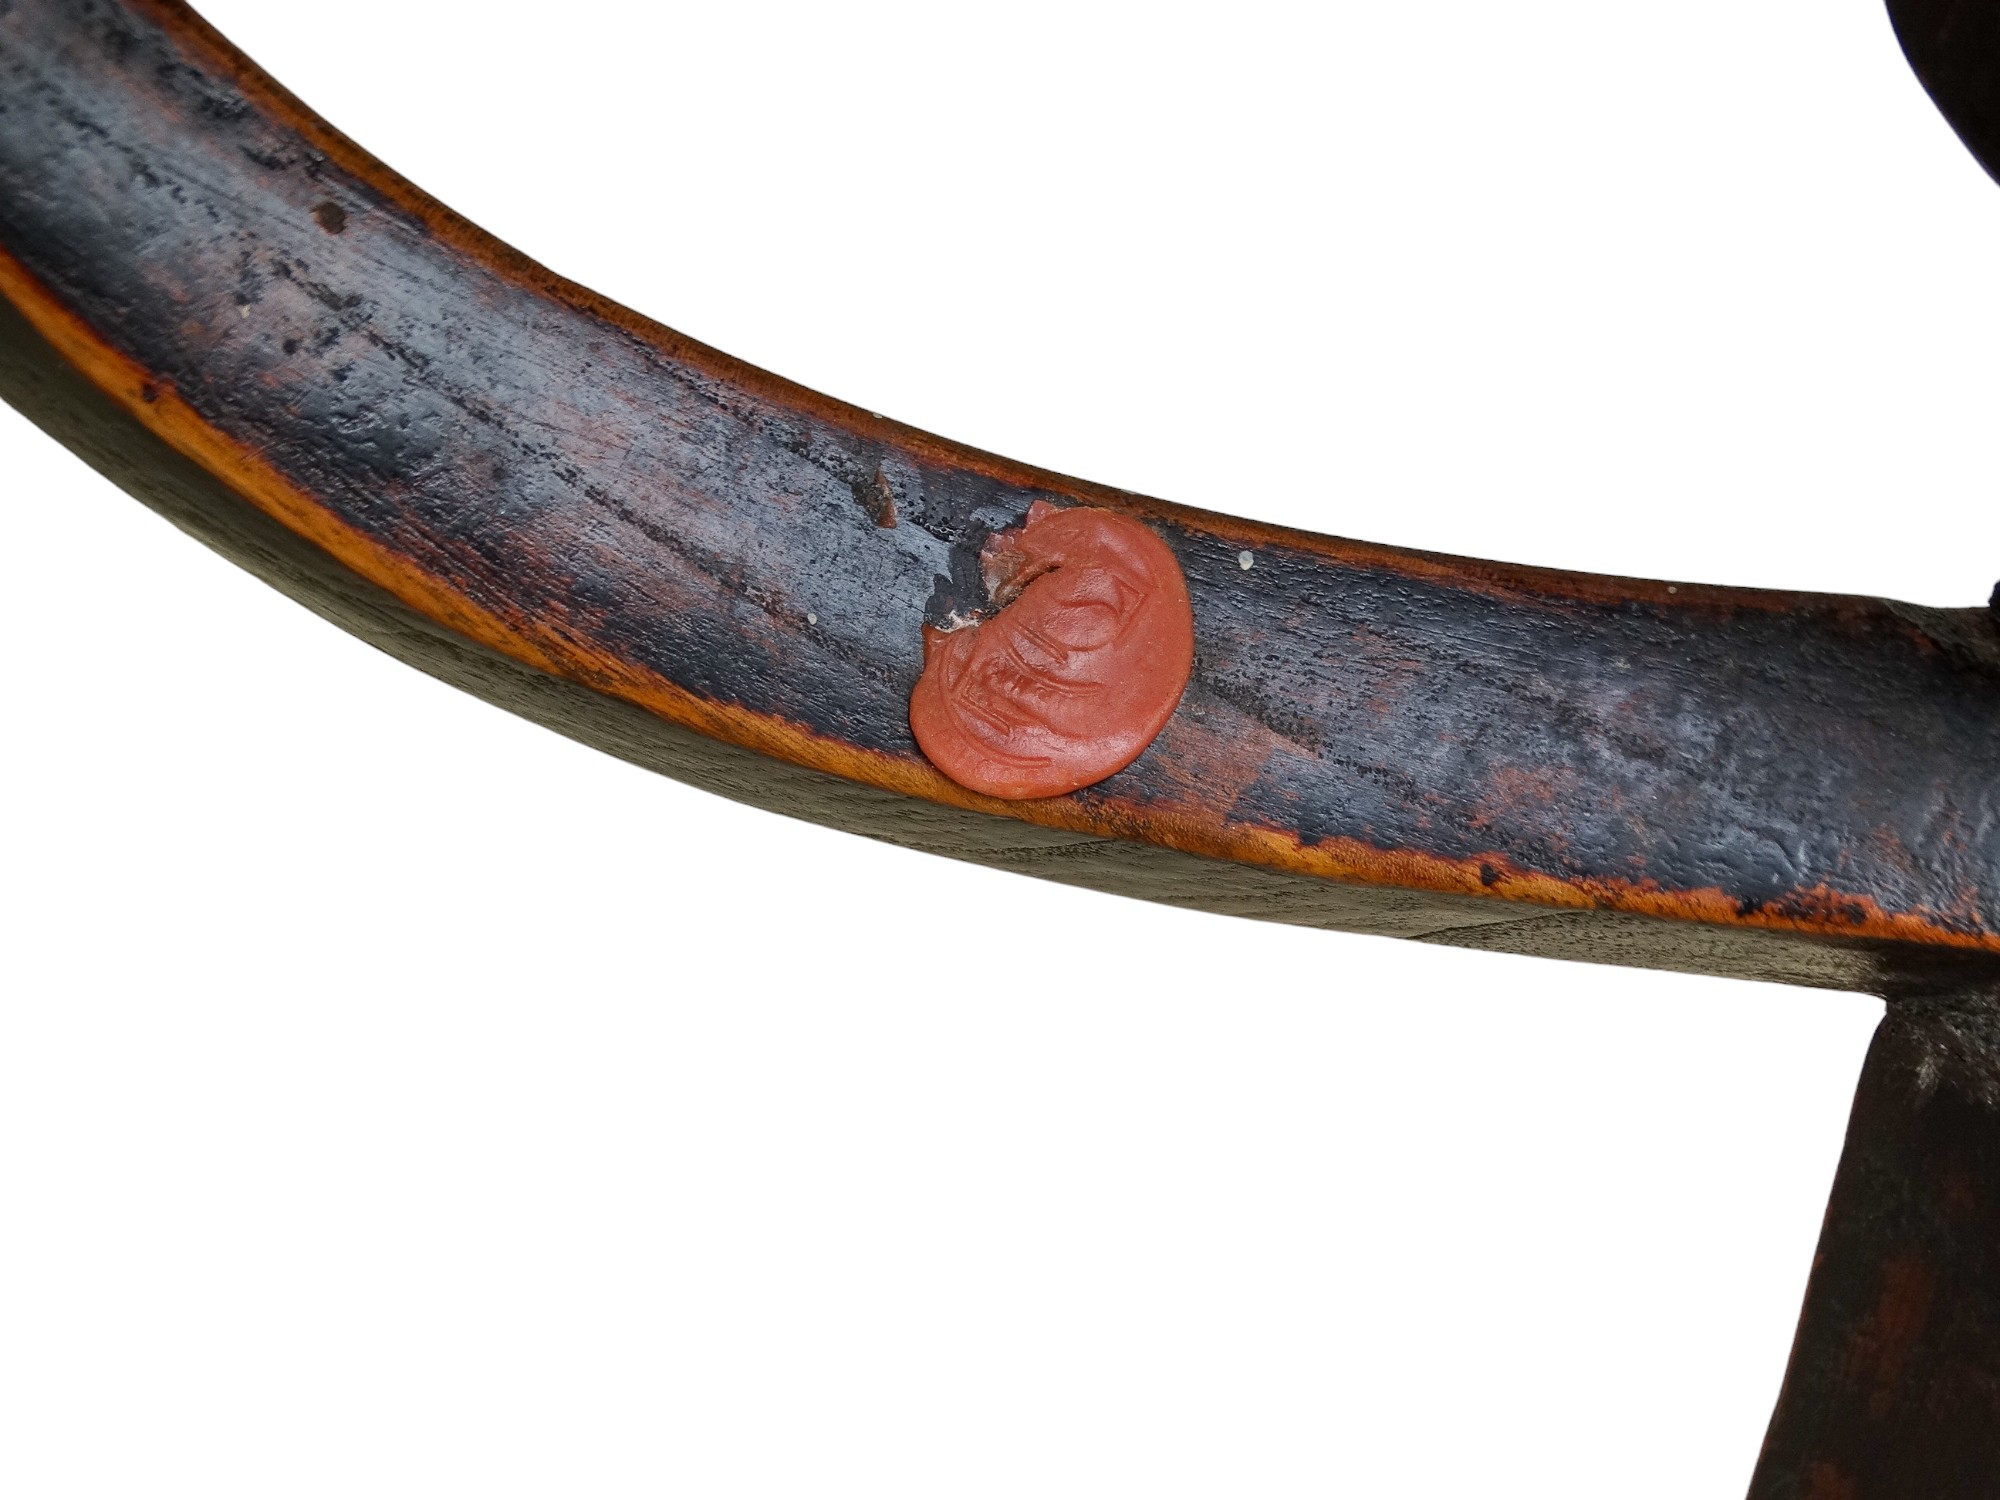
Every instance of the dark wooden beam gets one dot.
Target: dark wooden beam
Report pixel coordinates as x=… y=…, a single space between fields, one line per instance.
x=569 y=510
x=1782 y=785
x=1894 y=1385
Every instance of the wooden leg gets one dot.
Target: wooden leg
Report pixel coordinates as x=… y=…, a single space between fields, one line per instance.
x=1893 y=1392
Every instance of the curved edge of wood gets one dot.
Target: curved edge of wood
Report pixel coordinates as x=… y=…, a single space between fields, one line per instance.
x=1954 y=49
x=38 y=381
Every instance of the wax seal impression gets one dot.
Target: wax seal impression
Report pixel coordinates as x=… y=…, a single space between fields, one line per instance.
x=1078 y=668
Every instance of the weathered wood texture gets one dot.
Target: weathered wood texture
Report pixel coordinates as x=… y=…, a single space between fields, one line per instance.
x=554 y=503
x=1894 y=1386
x=1786 y=785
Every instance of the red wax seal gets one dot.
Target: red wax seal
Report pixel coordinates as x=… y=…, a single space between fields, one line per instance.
x=1080 y=668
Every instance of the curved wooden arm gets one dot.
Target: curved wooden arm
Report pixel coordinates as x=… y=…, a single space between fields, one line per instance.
x=1954 y=48
x=577 y=513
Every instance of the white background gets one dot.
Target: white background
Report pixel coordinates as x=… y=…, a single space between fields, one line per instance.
x=396 y=1100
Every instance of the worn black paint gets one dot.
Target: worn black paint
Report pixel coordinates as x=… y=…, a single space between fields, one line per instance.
x=552 y=465
x=1800 y=754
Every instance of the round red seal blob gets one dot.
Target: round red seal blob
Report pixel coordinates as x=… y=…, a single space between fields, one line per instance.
x=1078 y=671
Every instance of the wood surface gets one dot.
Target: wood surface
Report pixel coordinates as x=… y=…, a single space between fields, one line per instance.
x=1893 y=1388
x=576 y=513
x=1783 y=785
